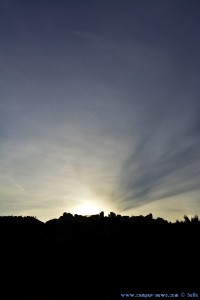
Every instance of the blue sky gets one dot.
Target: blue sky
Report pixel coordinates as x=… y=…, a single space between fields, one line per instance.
x=99 y=107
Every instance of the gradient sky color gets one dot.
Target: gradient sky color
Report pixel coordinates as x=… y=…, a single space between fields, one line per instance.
x=100 y=107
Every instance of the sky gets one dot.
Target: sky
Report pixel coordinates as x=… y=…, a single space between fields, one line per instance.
x=100 y=107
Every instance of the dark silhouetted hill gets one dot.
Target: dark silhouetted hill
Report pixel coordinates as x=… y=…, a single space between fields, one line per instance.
x=97 y=257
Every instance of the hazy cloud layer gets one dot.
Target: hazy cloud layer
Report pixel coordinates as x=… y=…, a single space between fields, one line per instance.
x=99 y=104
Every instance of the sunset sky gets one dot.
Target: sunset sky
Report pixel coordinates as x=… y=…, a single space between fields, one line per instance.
x=100 y=107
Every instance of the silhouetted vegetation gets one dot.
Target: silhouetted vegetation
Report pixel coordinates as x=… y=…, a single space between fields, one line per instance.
x=70 y=218
x=98 y=257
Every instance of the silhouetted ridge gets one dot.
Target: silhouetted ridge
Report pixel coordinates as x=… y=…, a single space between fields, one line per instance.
x=97 y=257
x=68 y=217
x=27 y=220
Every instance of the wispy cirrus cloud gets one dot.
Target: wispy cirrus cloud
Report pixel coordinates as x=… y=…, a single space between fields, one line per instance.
x=165 y=163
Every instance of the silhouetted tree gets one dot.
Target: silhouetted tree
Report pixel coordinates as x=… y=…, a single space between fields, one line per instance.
x=187 y=220
x=101 y=215
x=66 y=216
x=112 y=215
x=195 y=219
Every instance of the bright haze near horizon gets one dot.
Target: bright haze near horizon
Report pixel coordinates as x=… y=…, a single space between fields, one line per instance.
x=100 y=107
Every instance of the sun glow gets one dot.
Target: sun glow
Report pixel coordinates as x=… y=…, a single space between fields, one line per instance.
x=87 y=208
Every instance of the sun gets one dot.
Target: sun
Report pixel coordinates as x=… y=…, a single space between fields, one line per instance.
x=87 y=208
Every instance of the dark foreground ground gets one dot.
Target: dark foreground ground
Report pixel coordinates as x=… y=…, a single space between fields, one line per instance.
x=100 y=259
